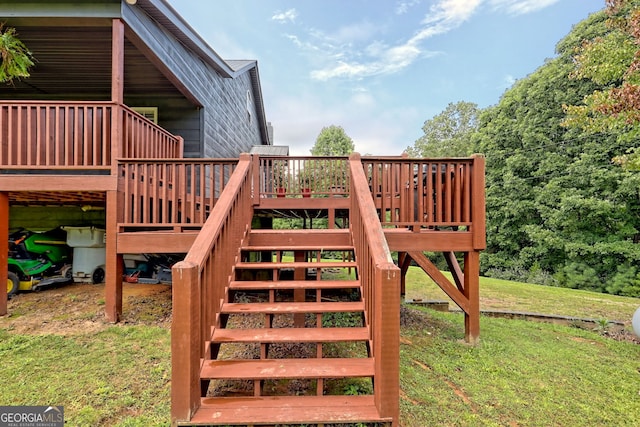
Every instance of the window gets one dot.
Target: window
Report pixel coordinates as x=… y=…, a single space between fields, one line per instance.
x=150 y=113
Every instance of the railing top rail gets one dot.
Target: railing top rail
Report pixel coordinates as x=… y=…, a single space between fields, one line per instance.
x=262 y=156
x=179 y=160
x=49 y=102
x=400 y=159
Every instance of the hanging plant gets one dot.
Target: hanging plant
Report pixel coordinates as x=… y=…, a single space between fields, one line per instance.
x=15 y=58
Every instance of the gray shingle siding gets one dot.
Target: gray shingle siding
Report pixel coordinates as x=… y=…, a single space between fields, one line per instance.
x=227 y=127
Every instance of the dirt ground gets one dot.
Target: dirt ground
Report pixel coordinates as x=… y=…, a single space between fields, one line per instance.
x=79 y=308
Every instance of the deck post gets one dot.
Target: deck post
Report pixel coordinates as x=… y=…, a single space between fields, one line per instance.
x=185 y=342
x=472 y=293
x=114 y=262
x=386 y=342
x=117 y=61
x=4 y=247
x=478 y=203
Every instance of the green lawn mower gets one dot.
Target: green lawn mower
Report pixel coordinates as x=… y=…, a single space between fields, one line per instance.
x=37 y=260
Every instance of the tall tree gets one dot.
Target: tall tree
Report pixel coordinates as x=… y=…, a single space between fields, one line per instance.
x=333 y=141
x=558 y=211
x=612 y=60
x=449 y=133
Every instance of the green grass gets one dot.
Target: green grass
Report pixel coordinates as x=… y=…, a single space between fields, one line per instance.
x=117 y=377
x=522 y=373
x=498 y=294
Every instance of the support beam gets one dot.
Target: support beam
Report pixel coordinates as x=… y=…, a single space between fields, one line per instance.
x=467 y=298
x=452 y=291
x=117 y=61
x=454 y=268
x=114 y=262
x=472 y=294
x=4 y=248
x=404 y=261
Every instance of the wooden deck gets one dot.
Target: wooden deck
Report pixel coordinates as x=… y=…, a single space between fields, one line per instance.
x=156 y=201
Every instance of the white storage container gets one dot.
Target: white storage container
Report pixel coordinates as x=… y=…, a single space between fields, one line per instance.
x=88 y=264
x=85 y=237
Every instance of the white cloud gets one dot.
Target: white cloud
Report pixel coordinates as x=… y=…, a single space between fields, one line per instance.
x=508 y=81
x=360 y=31
x=451 y=13
x=284 y=17
x=383 y=59
x=403 y=7
x=352 y=53
x=521 y=7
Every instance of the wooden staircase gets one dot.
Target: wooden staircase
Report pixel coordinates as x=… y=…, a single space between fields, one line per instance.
x=291 y=345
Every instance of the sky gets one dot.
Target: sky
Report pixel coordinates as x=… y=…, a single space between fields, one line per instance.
x=381 y=68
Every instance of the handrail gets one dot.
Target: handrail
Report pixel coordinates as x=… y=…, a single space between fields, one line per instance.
x=199 y=283
x=145 y=139
x=76 y=135
x=172 y=191
x=380 y=281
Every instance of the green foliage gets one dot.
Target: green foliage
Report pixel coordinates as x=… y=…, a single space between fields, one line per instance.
x=605 y=59
x=15 y=58
x=449 y=133
x=611 y=60
x=558 y=210
x=333 y=141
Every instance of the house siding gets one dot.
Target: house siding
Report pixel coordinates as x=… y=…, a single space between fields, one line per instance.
x=227 y=127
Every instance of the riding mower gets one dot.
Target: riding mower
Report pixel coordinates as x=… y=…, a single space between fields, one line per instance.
x=37 y=260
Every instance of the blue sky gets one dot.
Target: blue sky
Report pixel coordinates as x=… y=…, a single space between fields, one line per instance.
x=380 y=69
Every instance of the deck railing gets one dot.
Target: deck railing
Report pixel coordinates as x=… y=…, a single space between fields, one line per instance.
x=199 y=281
x=303 y=176
x=416 y=193
x=78 y=135
x=422 y=192
x=144 y=139
x=172 y=192
x=380 y=280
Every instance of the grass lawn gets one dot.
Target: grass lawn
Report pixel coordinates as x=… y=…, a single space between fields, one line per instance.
x=56 y=349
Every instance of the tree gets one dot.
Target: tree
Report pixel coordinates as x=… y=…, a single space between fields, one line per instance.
x=558 y=211
x=449 y=133
x=16 y=59
x=333 y=141
x=612 y=60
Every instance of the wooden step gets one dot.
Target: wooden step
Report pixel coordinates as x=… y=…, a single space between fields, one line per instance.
x=291 y=238
x=283 y=335
x=293 y=264
x=256 y=285
x=292 y=307
x=266 y=369
x=286 y=410
x=314 y=248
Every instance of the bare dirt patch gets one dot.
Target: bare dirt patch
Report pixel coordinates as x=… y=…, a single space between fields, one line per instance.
x=79 y=308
